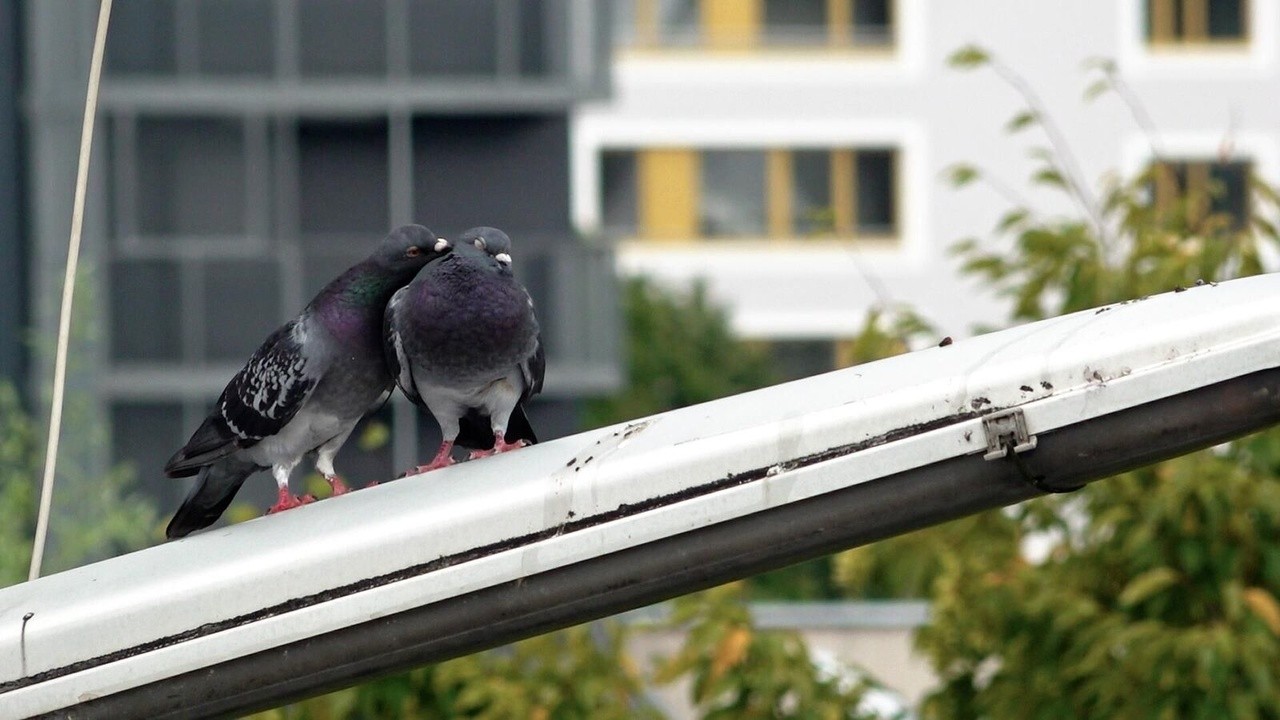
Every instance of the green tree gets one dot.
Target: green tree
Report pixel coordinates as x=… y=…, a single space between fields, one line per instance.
x=95 y=514
x=741 y=673
x=1159 y=597
x=679 y=352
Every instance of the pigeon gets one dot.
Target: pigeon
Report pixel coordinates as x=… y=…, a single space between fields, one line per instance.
x=462 y=340
x=304 y=390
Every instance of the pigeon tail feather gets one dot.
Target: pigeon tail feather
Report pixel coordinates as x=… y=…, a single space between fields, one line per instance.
x=208 y=444
x=210 y=497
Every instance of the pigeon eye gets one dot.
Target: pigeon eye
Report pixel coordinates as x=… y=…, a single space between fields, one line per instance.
x=413 y=251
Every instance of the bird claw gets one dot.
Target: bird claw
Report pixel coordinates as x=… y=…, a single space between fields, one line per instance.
x=500 y=445
x=433 y=465
x=286 y=501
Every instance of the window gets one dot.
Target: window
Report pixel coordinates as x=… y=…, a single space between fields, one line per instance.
x=1177 y=22
x=674 y=193
x=739 y=24
x=1207 y=187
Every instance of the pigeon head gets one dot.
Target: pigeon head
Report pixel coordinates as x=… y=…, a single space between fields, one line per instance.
x=491 y=241
x=408 y=248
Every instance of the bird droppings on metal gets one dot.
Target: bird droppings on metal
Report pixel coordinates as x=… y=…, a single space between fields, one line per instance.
x=622 y=511
x=1101 y=310
x=1046 y=384
x=978 y=402
x=1027 y=388
x=1179 y=288
x=589 y=459
x=945 y=341
x=635 y=427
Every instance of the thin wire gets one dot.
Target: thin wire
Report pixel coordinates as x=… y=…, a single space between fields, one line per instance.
x=68 y=290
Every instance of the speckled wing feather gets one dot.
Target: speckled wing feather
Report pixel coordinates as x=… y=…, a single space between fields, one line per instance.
x=393 y=348
x=258 y=402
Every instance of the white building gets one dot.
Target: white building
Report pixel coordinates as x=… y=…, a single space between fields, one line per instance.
x=793 y=152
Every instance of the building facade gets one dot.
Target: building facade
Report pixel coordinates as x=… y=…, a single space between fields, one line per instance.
x=250 y=150
x=793 y=153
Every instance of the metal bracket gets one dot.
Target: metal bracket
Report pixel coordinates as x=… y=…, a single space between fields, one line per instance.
x=1006 y=431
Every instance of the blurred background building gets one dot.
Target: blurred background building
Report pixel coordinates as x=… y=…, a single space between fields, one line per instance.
x=250 y=150
x=792 y=152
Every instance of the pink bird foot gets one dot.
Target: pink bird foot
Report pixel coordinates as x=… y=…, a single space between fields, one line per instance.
x=288 y=501
x=443 y=458
x=337 y=485
x=500 y=445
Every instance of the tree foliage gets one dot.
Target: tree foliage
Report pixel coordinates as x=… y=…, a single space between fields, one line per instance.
x=95 y=513
x=1158 y=596
x=680 y=351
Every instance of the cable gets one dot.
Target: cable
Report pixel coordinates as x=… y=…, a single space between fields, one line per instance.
x=68 y=289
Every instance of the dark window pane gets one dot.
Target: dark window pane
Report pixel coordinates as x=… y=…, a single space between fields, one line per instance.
x=1226 y=19
x=795 y=22
x=342 y=180
x=873 y=22
x=505 y=171
x=146 y=315
x=191 y=177
x=237 y=37
x=812 y=211
x=877 y=192
x=342 y=37
x=1229 y=191
x=618 y=191
x=142 y=38
x=145 y=434
x=453 y=37
x=795 y=359
x=319 y=268
x=678 y=22
x=732 y=202
x=241 y=307
x=533 y=38
x=367 y=454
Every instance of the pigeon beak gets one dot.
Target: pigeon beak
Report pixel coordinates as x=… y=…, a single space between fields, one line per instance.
x=503 y=258
x=441 y=245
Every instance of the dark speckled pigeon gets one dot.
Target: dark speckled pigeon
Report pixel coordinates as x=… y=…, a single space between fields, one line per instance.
x=304 y=390
x=462 y=339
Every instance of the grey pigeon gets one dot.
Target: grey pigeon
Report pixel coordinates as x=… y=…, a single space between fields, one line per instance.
x=304 y=390
x=462 y=339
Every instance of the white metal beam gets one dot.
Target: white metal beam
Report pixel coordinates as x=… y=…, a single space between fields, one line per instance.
x=617 y=517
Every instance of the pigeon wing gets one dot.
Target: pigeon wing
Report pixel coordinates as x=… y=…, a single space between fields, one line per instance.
x=533 y=369
x=393 y=347
x=258 y=402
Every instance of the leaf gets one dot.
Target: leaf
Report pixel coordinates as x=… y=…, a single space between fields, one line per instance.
x=961 y=174
x=1147 y=584
x=1264 y=605
x=1021 y=121
x=1096 y=89
x=968 y=57
x=729 y=652
x=1049 y=176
